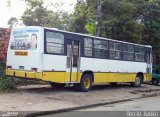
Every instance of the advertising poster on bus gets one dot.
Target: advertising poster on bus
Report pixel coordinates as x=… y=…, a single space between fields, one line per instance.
x=24 y=39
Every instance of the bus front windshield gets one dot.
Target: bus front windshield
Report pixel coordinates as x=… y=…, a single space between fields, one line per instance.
x=24 y=39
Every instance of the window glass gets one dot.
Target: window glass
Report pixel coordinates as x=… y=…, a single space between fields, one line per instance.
x=128 y=52
x=100 y=48
x=115 y=50
x=88 y=47
x=54 y=43
x=139 y=54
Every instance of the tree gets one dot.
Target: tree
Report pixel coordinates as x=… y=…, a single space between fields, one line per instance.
x=60 y=20
x=151 y=33
x=35 y=14
x=119 y=19
x=127 y=20
x=12 y=21
x=38 y=15
x=79 y=18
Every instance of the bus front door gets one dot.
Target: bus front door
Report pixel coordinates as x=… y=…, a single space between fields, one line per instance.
x=73 y=57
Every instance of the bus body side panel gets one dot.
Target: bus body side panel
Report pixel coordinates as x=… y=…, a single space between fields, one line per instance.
x=106 y=70
x=136 y=67
x=98 y=66
x=54 y=68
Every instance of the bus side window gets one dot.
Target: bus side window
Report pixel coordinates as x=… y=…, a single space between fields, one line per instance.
x=128 y=52
x=54 y=43
x=100 y=48
x=88 y=47
x=115 y=50
x=139 y=54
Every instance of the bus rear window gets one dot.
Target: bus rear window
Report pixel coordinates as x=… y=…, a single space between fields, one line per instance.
x=24 y=39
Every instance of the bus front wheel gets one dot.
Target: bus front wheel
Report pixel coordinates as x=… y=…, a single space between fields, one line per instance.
x=86 y=83
x=138 y=81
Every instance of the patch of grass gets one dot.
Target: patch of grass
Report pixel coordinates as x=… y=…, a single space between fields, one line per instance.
x=24 y=82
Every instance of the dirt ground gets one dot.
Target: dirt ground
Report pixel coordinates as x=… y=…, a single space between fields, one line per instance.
x=45 y=98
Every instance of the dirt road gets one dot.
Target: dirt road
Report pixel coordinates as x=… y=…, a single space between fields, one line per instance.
x=45 y=98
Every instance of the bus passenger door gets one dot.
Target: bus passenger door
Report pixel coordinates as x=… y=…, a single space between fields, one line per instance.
x=73 y=58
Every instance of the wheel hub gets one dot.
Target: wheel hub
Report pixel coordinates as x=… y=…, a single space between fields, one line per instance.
x=138 y=81
x=87 y=83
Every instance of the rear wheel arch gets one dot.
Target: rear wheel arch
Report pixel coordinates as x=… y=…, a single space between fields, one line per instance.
x=89 y=73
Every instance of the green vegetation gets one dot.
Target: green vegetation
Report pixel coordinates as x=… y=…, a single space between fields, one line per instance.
x=38 y=15
x=126 y=20
x=6 y=83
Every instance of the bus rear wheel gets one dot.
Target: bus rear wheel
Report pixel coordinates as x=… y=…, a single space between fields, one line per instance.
x=138 y=81
x=57 y=85
x=86 y=83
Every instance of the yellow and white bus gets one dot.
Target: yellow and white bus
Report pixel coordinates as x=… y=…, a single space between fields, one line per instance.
x=62 y=57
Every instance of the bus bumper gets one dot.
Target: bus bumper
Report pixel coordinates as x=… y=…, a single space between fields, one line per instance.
x=23 y=74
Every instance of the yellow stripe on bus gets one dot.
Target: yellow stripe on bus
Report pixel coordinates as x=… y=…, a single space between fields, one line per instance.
x=63 y=77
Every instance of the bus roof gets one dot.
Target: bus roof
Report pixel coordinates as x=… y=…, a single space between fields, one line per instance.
x=86 y=35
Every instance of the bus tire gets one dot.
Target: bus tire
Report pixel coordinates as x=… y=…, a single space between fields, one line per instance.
x=57 y=85
x=155 y=81
x=113 y=83
x=86 y=83
x=76 y=86
x=138 y=81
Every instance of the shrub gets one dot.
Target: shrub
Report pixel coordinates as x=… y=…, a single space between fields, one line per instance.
x=6 y=83
x=10 y=83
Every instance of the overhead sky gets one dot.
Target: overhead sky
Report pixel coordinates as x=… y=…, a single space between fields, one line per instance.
x=17 y=7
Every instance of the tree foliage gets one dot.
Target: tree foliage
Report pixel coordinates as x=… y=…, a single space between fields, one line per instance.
x=35 y=14
x=38 y=15
x=126 y=20
x=151 y=33
x=79 y=18
x=12 y=21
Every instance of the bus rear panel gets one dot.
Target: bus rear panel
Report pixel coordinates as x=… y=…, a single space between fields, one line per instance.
x=24 y=53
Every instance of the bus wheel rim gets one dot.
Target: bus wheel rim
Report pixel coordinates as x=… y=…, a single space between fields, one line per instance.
x=87 y=83
x=137 y=81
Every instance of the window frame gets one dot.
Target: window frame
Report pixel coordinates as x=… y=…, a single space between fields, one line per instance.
x=127 y=52
x=82 y=38
x=85 y=47
x=45 y=42
x=135 y=54
x=101 y=49
x=114 y=51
